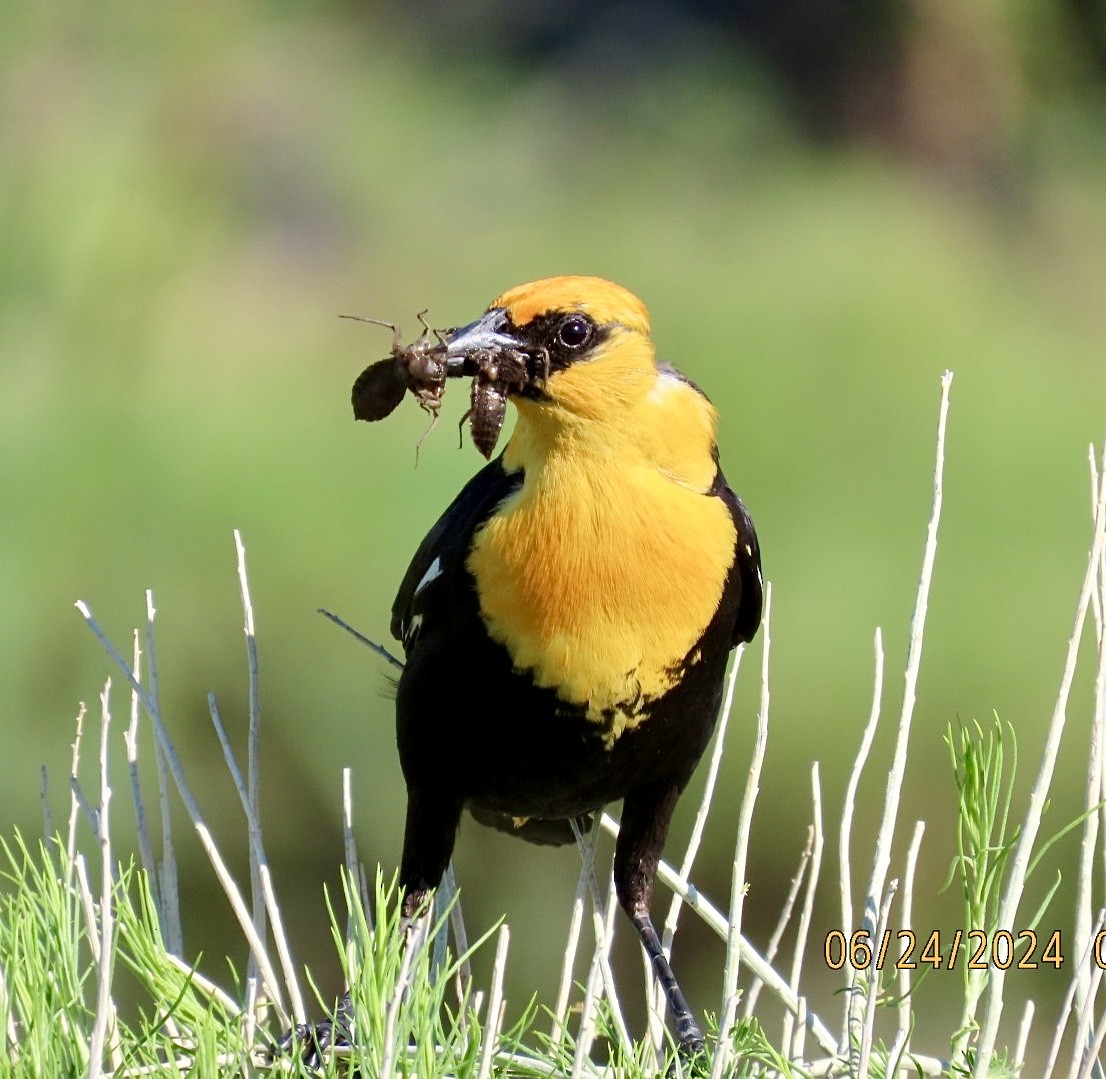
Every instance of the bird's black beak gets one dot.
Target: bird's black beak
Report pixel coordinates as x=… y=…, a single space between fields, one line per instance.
x=486 y=334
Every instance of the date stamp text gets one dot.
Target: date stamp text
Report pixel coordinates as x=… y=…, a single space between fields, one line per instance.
x=904 y=949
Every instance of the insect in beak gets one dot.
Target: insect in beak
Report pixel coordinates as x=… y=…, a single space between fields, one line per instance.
x=494 y=360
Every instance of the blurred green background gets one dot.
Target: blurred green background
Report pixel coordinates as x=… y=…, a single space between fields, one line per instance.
x=825 y=206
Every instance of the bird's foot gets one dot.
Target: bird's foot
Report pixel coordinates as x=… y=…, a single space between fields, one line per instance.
x=311 y=1042
x=691 y=1060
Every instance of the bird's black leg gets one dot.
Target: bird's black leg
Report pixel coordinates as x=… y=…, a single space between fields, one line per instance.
x=431 y=830
x=646 y=815
x=432 y=819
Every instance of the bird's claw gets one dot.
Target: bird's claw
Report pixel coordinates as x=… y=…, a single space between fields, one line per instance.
x=311 y=1042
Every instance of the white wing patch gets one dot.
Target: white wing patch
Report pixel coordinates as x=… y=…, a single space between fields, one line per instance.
x=434 y=572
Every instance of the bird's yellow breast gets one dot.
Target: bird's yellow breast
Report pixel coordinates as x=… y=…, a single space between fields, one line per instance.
x=602 y=572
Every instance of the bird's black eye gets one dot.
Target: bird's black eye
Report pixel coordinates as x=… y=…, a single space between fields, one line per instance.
x=574 y=331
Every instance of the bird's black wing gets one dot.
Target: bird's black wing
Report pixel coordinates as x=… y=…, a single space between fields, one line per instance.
x=439 y=562
x=746 y=565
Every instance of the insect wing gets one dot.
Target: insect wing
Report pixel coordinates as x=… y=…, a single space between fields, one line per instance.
x=378 y=390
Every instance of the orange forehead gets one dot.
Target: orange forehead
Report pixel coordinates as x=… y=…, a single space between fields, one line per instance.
x=602 y=300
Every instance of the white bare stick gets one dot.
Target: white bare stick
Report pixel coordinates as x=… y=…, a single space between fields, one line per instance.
x=1095 y=789
x=104 y=1021
x=592 y=995
x=169 y=911
x=352 y=861
x=798 y=1048
x=724 y=1050
x=918 y=1065
x=74 y=797
x=1083 y=1027
x=1098 y=481
x=753 y=992
x=1100 y=690
x=1065 y=1010
x=905 y=1005
x=10 y=1051
x=603 y=928
x=495 y=1005
x=792 y=1037
x=1023 y=1038
x=460 y=933
x=895 y=1055
x=1019 y=864
x=852 y=1017
x=1084 y=883
x=586 y=845
x=230 y=888
x=1098 y=602
x=265 y=893
x=415 y=937
x=440 y=900
x=868 y=1035
x=882 y=860
x=1091 y=1065
x=130 y=740
x=253 y=752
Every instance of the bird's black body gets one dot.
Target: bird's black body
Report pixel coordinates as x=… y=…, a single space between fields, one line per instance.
x=473 y=730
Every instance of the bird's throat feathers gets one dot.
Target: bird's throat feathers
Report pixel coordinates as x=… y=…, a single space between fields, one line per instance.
x=569 y=569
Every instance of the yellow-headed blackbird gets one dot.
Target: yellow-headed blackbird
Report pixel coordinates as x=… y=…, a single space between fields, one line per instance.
x=567 y=621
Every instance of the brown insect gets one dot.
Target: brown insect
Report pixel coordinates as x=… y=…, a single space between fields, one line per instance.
x=422 y=368
x=419 y=367
x=497 y=372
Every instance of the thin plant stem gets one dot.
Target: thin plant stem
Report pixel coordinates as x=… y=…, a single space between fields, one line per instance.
x=586 y=846
x=104 y=1020
x=905 y=1003
x=169 y=912
x=868 y=1033
x=230 y=888
x=74 y=796
x=792 y=1037
x=1065 y=1011
x=1023 y=1036
x=253 y=752
x=1023 y=852
x=852 y=1018
x=752 y=994
x=368 y=642
x=588 y=1017
x=882 y=860
x=130 y=740
x=260 y=860
x=724 y=1049
x=495 y=1004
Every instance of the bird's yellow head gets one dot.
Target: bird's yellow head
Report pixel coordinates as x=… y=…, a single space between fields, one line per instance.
x=594 y=379
x=587 y=340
